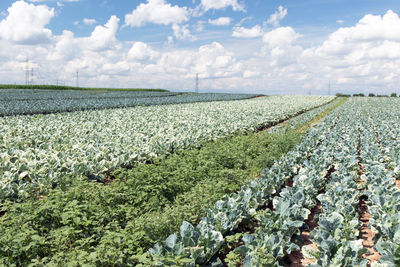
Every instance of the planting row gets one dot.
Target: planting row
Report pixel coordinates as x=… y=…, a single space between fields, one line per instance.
x=46 y=101
x=93 y=224
x=38 y=152
x=199 y=245
x=380 y=151
x=38 y=94
x=325 y=169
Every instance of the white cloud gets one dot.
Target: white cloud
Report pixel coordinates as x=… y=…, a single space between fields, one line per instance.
x=142 y=51
x=242 y=32
x=368 y=33
x=250 y=74
x=221 y=4
x=281 y=36
x=275 y=18
x=37 y=1
x=222 y=21
x=362 y=57
x=340 y=21
x=103 y=37
x=66 y=47
x=157 y=12
x=87 y=21
x=181 y=32
x=25 y=23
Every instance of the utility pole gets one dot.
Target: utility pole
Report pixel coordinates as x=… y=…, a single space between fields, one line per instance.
x=197 y=82
x=77 y=78
x=31 y=75
x=27 y=71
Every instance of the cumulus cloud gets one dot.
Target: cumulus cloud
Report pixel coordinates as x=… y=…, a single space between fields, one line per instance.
x=103 y=37
x=357 y=58
x=280 y=47
x=25 y=23
x=221 y=4
x=222 y=21
x=281 y=36
x=66 y=47
x=250 y=74
x=241 y=32
x=157 y=12
x=142 y=51
x=87 y=21
x=275 y=18
x=181 y=32
x=36 y=1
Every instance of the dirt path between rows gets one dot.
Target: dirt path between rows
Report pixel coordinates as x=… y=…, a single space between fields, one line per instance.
x=366 y=233
x=297 y=258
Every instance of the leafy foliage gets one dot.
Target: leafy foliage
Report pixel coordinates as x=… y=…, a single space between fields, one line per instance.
x=89 y=223
x=41 y=152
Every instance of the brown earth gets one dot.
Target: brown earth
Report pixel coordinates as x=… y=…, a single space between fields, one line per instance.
x=296 y=258
x=366 y=234
x=398 y=183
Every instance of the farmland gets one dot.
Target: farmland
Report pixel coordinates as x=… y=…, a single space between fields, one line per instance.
x=38 y=152
x=347 y=161
x=274 y=181
x=39 y=101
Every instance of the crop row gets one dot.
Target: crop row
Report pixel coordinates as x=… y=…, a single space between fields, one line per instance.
x=25 y=102
x=325 y=169
x=38 y=94
x=38 y=152
x=198 y=245
x=115 y=224
x=381 y=159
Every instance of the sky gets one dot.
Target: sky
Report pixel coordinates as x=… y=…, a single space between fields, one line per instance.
x=239 y=46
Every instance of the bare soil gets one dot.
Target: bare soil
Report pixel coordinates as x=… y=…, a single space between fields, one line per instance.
x=296 y=258
x=366 y=234
x=398 y=183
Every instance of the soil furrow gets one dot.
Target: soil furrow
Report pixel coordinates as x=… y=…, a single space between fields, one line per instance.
x=366 y=233
x=296 y=258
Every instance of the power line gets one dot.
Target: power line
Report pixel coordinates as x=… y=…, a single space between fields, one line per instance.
x=27 y=71
x=197 y=82
x=31 y=75
x=77 y=78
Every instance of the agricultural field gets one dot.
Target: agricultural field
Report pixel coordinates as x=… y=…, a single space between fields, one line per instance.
x=39 y=101
x=273 y=181
x=332 y=201
x=122 y=158
x=40 y=151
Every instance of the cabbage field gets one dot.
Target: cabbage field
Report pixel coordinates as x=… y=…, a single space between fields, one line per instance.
x=38 y=151
x=315 y=193
x=181 y=184
x=30 y=101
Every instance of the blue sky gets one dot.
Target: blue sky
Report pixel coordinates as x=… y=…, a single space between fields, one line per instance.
x=265 y=46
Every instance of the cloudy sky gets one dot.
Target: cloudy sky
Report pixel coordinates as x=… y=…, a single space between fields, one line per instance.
x=263 y=46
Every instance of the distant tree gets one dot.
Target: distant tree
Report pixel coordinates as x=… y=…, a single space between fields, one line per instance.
x=393 y=95
x=342 y=95
x=371 y=94
x=360 y=94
